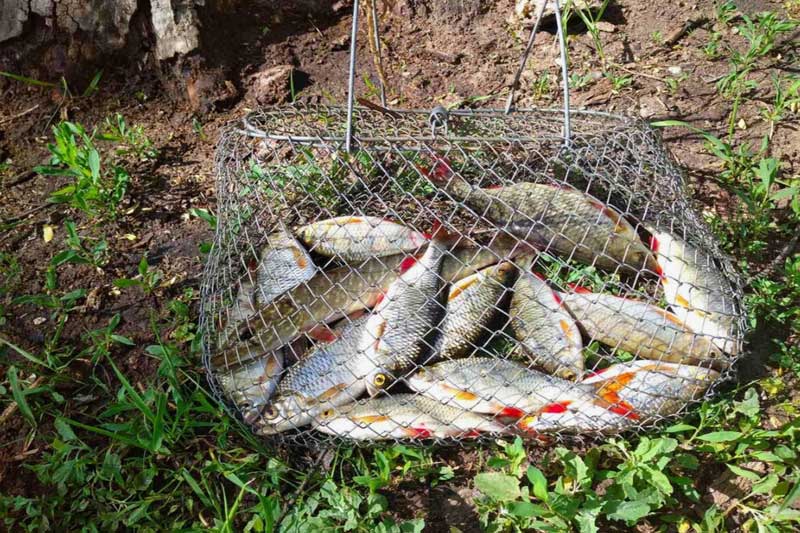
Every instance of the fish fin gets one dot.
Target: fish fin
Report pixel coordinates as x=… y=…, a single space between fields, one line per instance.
x=654 y=244
x=494 y=187
x=418 y=433
x=331 y=393
x=460 y=394
x=370 y=419
x=462 y=285
x=472 y=434
x=555 y=408
x=683 y=302
x=511 y=412
x=608 y=392
x=322 y=333
x=407 y=263
x=300 y=258
x=579 y=288
x=440 y=233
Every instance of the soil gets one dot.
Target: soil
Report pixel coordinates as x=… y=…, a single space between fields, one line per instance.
x=434 y=53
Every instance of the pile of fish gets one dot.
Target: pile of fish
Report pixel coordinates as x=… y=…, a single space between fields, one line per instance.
x=367 y=329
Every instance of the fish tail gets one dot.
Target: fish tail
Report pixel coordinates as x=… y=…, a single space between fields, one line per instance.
x=579 y=288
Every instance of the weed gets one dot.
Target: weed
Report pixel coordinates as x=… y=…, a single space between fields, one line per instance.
x=82 y=250
x=147 y=279
x=589 y=17
x=94 y=190
x=787 y=99
x=130 y=140
x=618 y=82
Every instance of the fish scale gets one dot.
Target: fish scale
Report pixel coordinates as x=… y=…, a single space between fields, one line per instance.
x=284 y=264
x=554 y=218
x=403 y=416
x=358 y=238
x=473 y=304
x=639 y=328
x=547 y=332
x=250 y=385
x=649 y=390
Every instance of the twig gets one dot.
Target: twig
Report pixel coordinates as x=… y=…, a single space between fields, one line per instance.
x=19 y=115
x=781 y=257
x=8 y=411
x=26 y=214
x=22 y=177
x=677 y=34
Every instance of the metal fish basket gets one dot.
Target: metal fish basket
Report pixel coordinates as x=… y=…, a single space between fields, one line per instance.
x=400 y=275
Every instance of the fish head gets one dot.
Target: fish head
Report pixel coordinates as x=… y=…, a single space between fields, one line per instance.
x=285 y=412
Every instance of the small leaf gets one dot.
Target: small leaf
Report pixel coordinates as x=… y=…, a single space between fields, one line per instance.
x=720 y=436
x=539 y=483
x=500 y=487
x=629 y=511
x=525 y=509
x=19 y=395
x=94 y=163
x=64 y=429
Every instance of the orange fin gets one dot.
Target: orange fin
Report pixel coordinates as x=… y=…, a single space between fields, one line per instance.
x=407 y=263
x=370 y=419
x=579 y=288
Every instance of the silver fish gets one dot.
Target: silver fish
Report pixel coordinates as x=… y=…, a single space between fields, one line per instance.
x=403 y=416
x=329 y=375
x=639 y=328
x=473 y=304
x=642 y=392
x=250 y=385
x=403 y=327
x=357 y=238
x=284 y=264
x=495 y=386
x=696 y=290
x=547 y=332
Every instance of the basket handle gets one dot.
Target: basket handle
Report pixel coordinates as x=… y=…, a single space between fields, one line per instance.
x=509 y=103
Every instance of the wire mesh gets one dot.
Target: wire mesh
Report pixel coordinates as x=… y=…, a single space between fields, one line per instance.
x=485 y=282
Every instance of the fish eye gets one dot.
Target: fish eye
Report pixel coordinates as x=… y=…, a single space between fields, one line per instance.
x=327 y=413
x=379 y=380
x=270 y=413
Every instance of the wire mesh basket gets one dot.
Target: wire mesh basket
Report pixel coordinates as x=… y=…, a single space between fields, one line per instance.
x=459 y=275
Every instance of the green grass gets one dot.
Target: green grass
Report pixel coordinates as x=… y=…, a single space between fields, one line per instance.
x=106 y=446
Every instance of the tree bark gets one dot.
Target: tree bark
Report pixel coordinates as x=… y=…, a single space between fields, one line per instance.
x=72 y=32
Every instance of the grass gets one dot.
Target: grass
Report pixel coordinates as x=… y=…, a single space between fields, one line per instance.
x=97 y=444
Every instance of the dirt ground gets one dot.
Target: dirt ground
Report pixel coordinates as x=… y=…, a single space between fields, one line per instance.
x=434 y=53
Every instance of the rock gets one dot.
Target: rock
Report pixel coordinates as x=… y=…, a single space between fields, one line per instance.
x=675 y=70
x=650 y=106
x=270 y=85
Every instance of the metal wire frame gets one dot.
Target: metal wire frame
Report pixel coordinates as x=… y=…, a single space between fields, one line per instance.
x=304 y=176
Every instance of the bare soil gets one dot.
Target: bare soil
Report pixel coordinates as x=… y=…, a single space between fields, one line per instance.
x=434 y=53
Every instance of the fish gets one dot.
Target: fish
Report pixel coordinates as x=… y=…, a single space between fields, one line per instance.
x=330 y=375
x=403 y=416
x=327 y=296
x=250 y=385
x=645 y=392
x=495 y=386
x=696 y=290
x=341 y=291
x=242 y=308
x=356 y=238
x=284 y=264
x=639 y=328
x=560 y=219
x=403 y=327
x=547 y=332
x=473 y=304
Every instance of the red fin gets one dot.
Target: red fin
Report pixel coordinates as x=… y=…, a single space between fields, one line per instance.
x=439 y=172
x=557 y=298
x=609 y=392
x=555 y=408
x=579 y=289
x=407 y=263
x=494 y=187
x=512 y=412
x=322 y=333
x=654 y=243
x=418 y=433
x=624 y=409
x=540 y=276
x=427 y=235
x=472 y=434
x=379 y=298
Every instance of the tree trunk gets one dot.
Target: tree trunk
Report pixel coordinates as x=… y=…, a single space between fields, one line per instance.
x=61 y=36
